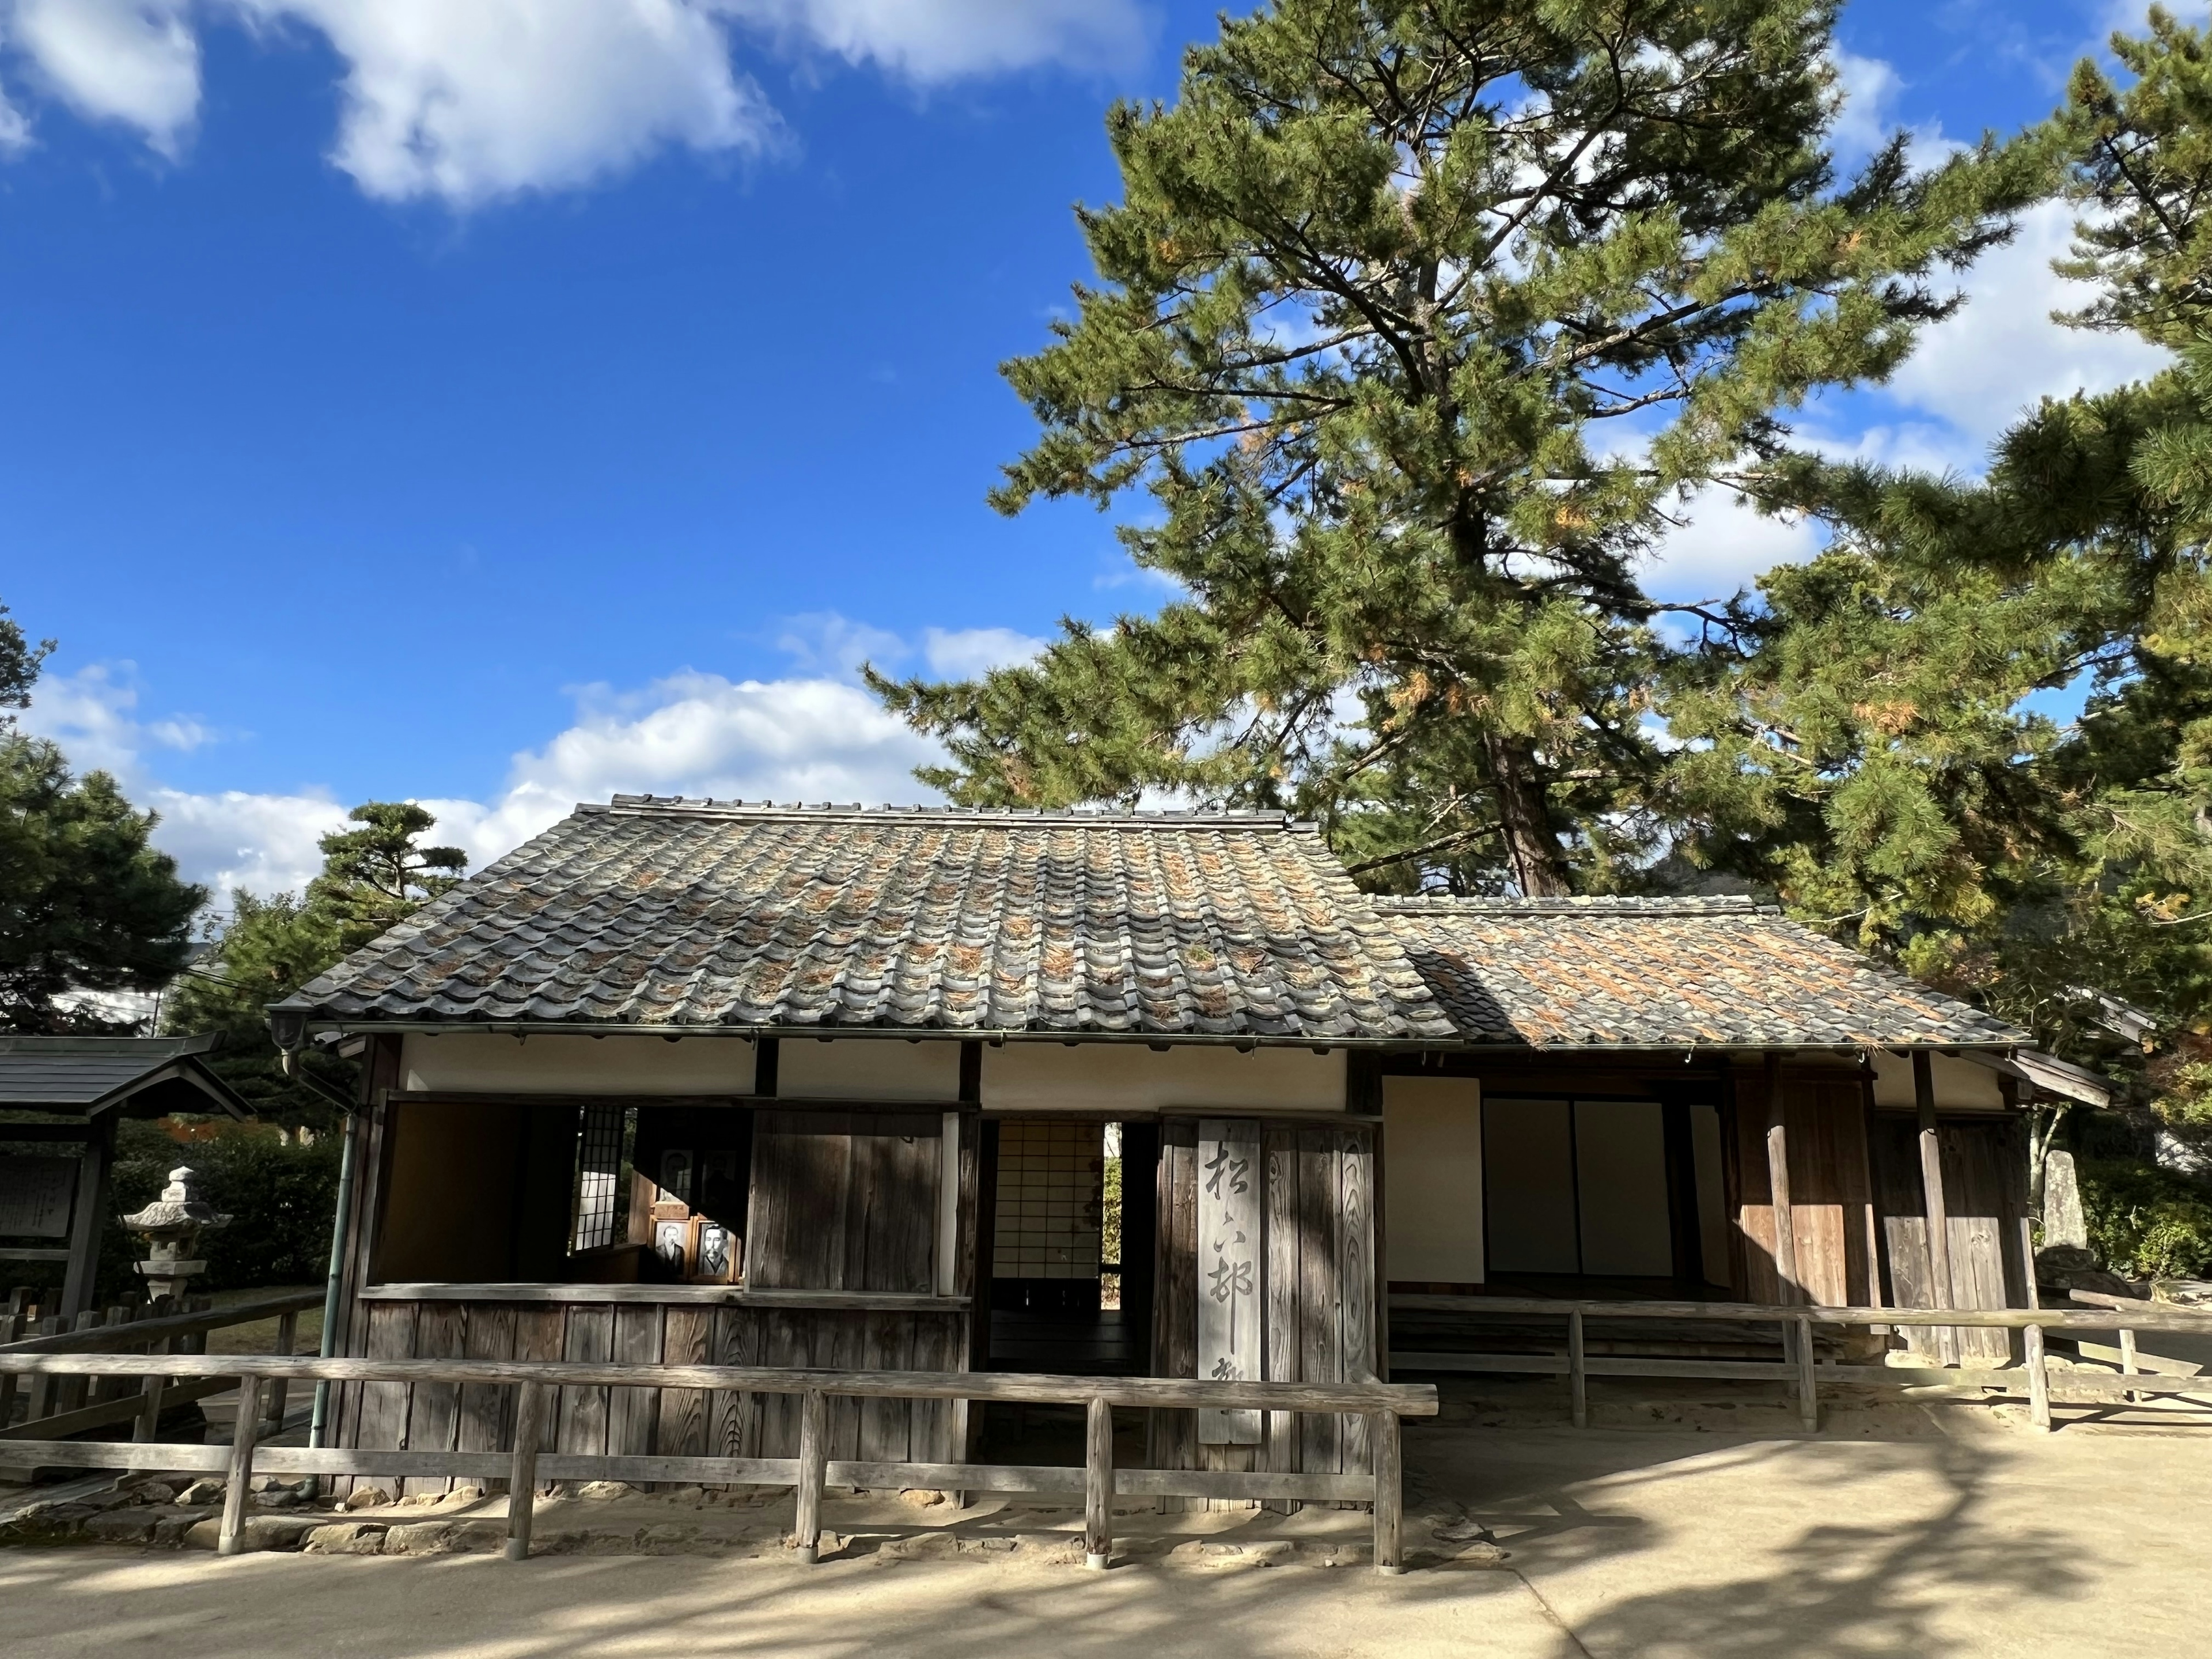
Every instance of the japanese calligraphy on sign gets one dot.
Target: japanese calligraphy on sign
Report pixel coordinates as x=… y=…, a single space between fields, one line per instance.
x=1229 y=1288
x=34 y=1196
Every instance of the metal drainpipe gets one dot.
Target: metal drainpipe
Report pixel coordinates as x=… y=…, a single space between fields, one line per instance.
x=331 y=1294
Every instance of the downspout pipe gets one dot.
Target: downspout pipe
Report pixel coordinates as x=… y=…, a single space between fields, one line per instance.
x=334 y=1286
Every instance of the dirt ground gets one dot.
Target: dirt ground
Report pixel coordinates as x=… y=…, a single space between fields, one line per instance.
x=1674 y=1533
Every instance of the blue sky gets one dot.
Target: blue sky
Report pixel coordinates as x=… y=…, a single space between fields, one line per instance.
x=507 y=403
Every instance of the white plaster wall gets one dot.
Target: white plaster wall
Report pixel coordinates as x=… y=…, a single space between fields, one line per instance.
x=1129 y=1079
x=478 y=1061
x=1961 y=1084
x=1432 y=1178
x=868 y=1068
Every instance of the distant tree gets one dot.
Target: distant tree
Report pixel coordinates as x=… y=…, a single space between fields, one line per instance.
x=1418 y=319
x=86 y=903
x=373 y=878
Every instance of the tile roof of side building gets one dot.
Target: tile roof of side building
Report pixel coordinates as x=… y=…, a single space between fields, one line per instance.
x=1659 y=973
x=663 y=913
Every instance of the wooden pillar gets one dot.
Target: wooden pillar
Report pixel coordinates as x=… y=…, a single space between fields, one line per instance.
x=1578 y=1374
x=90 y=1216
x=1098 y=1486
x=229 y=1535
x=1389 y=1494
x=2039 y=1378
x=1931 y=1180
x=813 y=1456
x=1778 y=1186
x=522 y=1475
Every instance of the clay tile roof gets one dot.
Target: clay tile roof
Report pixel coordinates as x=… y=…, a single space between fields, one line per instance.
x=1638 y=973
x=669 y=912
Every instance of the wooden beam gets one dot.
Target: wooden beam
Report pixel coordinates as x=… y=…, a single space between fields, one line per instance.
x=1931 y=1179
x=2144 y=1315
x=89 y=1218
x=720 y=1296
x=1777 y=1186
x=1098 y=1484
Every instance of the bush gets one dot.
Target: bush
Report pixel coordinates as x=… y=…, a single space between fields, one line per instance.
x=280 y=1196
x=2148 y=1222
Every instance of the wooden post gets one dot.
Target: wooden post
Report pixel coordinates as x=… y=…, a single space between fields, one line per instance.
x=71 y=1392
x=1382 y=1432
x=2027 y=1260
x=813 y=1458
x=1577 y=1377
x=287 y=1338
x=2128 y=1359
x=1098 y=1486
x=1931 y=1180
x=1777 y=1186
x=39 y=1401
x=1808 y=1399
x=228 y=1538
x=2038 y=1379
x=89 y=1218
x=522 y=1473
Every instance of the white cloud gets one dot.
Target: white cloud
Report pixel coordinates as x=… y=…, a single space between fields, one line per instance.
x=824 y=642
x=1978 y=369
x=968 y=654
x=14 y=126
x=1724 y=546
x=232 y=838
x=467 y=102
x=132 y=61
x=930 y=40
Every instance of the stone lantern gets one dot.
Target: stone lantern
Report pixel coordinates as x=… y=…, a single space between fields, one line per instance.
x=172 y=1225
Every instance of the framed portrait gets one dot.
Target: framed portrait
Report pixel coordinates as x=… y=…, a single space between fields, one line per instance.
x=715 y=1259
x=671 y=1242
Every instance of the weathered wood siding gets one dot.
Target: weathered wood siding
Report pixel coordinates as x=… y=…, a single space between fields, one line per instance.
x=1985 y=1195
x=1824 y=1118
x=1318 y=1296
x=389 y=1416
x=845 y=1200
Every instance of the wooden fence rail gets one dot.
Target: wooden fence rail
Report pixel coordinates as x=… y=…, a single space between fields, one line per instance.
x=1800 y=1370
x=1098 y=1482
x=55 y=1408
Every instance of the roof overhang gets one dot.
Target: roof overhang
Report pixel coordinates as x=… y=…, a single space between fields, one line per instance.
x=2053 y=1076
x=175 y=1071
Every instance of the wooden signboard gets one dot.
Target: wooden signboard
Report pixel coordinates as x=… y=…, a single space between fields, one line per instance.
x=35 y=1195
x=1228 y=1177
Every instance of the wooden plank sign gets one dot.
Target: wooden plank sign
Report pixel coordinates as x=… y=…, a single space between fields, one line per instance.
x=34 y=1196
x=1229 y=1284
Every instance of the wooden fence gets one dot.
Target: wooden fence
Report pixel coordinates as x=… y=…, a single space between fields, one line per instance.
x=1098 y=1481
x=55 y=1407
x=1801 y=1368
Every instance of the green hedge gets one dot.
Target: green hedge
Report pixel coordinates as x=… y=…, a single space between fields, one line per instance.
x=281 y=1199
x=2148 y=1222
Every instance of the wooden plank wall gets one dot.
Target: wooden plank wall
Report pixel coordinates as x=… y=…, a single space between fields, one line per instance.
x=396 y=1416
x=845 y=1200
x=1985 y=1195
x=1319 y=1295
x=1824 y=1117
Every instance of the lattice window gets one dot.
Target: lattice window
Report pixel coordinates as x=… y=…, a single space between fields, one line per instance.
x=601 y=1216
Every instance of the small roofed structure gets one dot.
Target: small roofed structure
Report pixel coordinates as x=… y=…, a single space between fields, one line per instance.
x=832 y=1086
x=52 y=1204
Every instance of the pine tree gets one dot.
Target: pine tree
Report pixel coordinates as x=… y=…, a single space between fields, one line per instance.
x=1416 y=321
x=86 y=903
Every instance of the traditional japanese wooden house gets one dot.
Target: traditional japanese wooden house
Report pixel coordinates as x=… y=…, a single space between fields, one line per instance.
x=832 y=1087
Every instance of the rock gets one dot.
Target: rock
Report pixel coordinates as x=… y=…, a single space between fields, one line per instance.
x=606 y=1492
x=1481 y=1553
x=367 y=1498
x=419 y=1538
x=2183 y=1292
x=345 y=1538
x=201 y=1493
x=120 y=1526
x=260 y=1532
x=278 y=1497
x=169 y=1530
x=670 y=1538
x=153 y=1491
x=1465 y=1530
x=686 y=1495
x=465 y=1492
x=921 y=1497
x=2064 y=1226
x=921 y=1546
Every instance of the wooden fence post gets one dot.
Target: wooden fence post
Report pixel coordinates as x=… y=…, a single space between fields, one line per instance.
x=287 y=1338
x=2038 y=1379
x=1577 y=1378
x=1389 y=1496
x=228 y=1538
x=1098 y=1486
x=40 y=1402
x=1808 y=1399
x=522 y=1475
x=2127 y=1361
x=813 y=1458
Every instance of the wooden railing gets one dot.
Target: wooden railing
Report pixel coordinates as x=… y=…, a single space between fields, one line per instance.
x=56 y=1405
x=1098 y=1481
x=1801 y=1368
